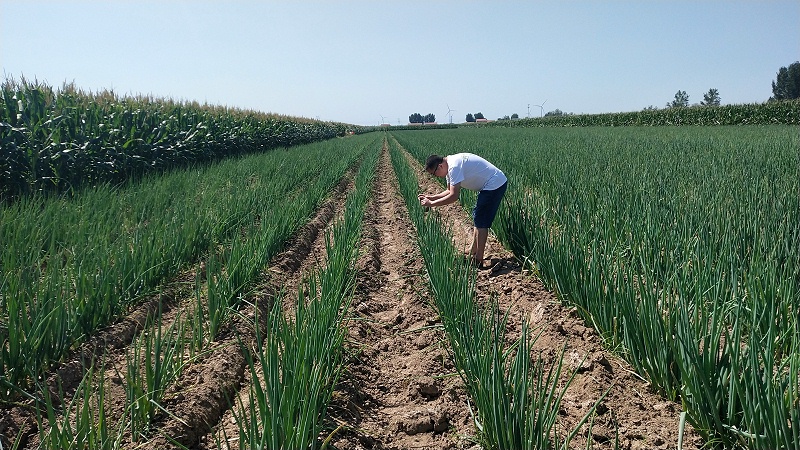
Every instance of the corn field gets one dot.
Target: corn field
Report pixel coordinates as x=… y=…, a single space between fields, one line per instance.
x=60 y=140
x=785 y=112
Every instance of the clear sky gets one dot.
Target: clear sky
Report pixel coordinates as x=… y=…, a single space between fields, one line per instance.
x=364 y=62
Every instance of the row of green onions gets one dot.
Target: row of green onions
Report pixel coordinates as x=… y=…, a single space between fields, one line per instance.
x=517 y=398
x=680 y=245
x=299 y=356
x=243 y=210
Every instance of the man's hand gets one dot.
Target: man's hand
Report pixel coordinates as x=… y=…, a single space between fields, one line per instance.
x=424 y=201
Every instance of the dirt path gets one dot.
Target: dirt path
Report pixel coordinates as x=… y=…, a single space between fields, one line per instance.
x=400 y=391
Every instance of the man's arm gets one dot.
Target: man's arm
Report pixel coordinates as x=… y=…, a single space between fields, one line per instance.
x=437 y=196
x=442 y=198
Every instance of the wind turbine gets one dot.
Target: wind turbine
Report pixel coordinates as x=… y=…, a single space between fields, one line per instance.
x=450 y=113
x=383 y=119
x=541 y=108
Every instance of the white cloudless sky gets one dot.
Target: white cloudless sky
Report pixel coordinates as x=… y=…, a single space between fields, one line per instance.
x=367 y=62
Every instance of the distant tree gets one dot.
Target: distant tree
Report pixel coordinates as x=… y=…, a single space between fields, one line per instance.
x=479 y=115
x=650 y=108
x=787 y=84
x=430 y=118
x=470 y=117
x=415 y=118
x=515 y=116
x=556 y=112
x=504 y=117
x=681 y=100
x=711 y=98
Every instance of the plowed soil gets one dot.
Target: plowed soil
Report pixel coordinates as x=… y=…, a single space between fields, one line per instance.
x=400 y=389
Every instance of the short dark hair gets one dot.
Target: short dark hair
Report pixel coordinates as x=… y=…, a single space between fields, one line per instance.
x=432 y=162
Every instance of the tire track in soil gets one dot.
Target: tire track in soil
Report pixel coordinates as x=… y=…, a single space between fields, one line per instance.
x=393 y=395
x=643 y=419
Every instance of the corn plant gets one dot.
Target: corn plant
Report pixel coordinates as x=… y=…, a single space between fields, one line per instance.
x=60 y=140
x=770 y=113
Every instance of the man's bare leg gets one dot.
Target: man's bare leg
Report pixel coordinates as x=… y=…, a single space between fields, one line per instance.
x=473 y=247
x=472 y=244
x=479 y=237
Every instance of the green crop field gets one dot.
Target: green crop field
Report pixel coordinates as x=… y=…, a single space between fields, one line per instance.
x=679 y=245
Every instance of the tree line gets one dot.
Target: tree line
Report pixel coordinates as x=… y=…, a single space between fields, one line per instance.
x=419 y=118
x=785 y=87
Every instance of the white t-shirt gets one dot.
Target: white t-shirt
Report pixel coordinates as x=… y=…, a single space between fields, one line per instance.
x=473 y=172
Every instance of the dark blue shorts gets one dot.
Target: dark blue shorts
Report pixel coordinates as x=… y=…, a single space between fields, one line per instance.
x=486 y=206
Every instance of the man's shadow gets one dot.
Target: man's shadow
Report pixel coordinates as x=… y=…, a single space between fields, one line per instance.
x=495 y=266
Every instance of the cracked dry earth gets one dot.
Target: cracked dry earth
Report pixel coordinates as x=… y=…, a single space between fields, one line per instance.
x=400 y=389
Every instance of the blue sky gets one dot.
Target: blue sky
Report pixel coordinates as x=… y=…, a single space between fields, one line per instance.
x=363 y=62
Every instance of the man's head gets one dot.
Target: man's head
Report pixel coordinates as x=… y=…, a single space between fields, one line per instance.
x=432 y=165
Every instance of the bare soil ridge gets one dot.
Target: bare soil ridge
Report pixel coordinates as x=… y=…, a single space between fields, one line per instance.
x=400 y=390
